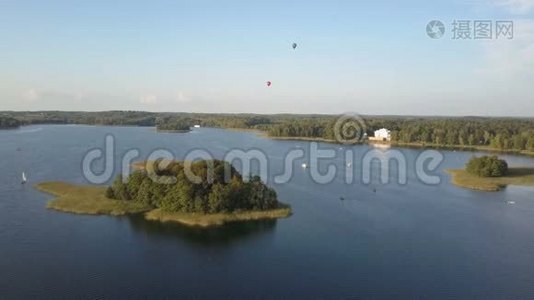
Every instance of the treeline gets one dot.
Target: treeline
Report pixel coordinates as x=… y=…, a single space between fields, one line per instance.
x=500 y=133
x=173 y=124
x=310 y=128
x=112 y=118
x=504 y=134
x=213 y=194
x=7 y=122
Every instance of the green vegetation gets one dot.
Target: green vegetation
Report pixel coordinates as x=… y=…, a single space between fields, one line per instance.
x=504 y=134
x=487 y=166
x=173 y=197
x=8 y=123
x=173 y=124
x=87 y=200
x=112 y=118
x=489 y=173
x=515 y=176
x=204 y=220
x=220 y=189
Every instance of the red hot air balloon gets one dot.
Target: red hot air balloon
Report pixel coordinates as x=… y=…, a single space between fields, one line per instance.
x=269 y=83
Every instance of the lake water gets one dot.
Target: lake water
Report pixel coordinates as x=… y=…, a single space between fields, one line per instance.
x=402 y=241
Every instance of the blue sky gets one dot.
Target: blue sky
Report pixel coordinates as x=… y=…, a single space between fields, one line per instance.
x=215 y=56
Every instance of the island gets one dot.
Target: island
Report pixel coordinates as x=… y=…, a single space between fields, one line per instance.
x=489 y=173
x=220 y=195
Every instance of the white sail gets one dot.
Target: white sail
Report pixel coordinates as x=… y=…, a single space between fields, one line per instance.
x=24 y=177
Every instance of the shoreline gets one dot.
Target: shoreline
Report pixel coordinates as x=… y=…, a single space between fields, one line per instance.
x=171 y=131
x=218 y=219
x=91 y=200
x=518 y=176
x=264 y=134
x=487 y=149
x=462 y=148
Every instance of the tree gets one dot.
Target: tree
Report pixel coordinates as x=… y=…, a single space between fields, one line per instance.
x=109 y=193
x=218 y=200
x=471 y=140
x=120 y=190
x=134 y=182
x=530 y=143
x=144 y=194
x=487 y=166
x=260 y=196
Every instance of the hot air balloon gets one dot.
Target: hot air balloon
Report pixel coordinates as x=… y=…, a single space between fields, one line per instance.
x=294 y=46
x=269 y=83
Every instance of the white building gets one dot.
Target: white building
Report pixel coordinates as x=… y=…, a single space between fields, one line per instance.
x=382 y=135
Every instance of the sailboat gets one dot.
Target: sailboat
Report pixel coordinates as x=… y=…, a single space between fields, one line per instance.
x=24 y=179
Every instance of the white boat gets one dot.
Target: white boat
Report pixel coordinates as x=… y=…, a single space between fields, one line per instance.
x=349 y=164
x=24 y=179
x=305 y=166
x=197 y=126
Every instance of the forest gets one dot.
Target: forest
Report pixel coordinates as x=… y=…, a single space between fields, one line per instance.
x=215 y=193
x=7 y=122
x=511 y=134
x=173 y=124
x=498 y=133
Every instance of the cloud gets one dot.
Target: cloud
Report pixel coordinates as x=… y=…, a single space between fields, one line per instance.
x=516 y=6
x=30 y=95
x=148 y=99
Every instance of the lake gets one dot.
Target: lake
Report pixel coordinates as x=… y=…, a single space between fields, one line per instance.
x=393 y=240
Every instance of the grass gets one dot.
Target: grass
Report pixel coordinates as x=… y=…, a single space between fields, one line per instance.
x=90 y=200
x=205 y=220
x=516 y=176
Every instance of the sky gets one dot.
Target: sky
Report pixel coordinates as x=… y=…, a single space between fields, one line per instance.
x=367 y=57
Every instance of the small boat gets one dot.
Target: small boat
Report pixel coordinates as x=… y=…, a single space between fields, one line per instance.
x=24 y=179
x=342 y=198
x=349 y=164
x=304 y=166
x=511 y=202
